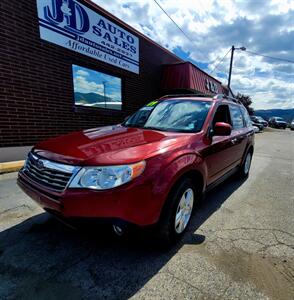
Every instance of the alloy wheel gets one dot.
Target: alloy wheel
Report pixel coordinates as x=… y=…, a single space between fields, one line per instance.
x=184 y=210
x=247 y=163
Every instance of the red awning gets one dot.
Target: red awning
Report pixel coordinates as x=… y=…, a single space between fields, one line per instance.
x=186 y=76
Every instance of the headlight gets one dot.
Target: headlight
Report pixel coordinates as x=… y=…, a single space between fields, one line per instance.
x=102 y=178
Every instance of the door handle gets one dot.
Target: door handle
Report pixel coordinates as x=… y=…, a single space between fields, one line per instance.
x=234 y=140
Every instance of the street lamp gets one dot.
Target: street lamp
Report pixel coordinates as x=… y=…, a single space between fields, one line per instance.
x=231 y=63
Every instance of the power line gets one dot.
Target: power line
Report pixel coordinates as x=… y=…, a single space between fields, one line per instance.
x=271 y=57
x=188 y=37
x=182 y=31
x=220 y=61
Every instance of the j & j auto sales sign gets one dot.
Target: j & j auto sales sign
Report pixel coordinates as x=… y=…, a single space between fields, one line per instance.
x=72 y=25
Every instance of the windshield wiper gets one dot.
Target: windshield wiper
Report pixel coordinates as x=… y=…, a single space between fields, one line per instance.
x=132 y=125
x=154 y=128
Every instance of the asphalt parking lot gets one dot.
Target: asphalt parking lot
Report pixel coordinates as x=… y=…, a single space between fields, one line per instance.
x=240 y=244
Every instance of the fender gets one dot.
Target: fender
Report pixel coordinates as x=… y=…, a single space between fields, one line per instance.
x=176 y=169
x=170 y=175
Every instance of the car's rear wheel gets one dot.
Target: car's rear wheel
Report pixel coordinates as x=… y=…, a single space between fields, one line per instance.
x=177 y=212
x=245 y=167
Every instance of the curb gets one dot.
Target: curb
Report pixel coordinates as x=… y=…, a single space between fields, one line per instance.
x=12 y=166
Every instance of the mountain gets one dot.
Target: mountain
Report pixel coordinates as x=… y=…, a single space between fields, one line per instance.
x=90 y=98
x=287 y=114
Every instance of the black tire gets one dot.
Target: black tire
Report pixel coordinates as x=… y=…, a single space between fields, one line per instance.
x=244 y=169
x=166 y=233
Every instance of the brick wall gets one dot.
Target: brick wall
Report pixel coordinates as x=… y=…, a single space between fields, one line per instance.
x=36 y=89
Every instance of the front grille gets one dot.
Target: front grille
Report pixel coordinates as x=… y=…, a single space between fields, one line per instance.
x=49 y=174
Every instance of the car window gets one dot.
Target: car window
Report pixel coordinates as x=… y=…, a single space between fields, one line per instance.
x=181 y=115
x=236 y=117
x=246 y=117
x=141 y=116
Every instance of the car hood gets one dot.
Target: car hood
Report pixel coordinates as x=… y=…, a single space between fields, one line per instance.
x=109 y=145
x=281 y=122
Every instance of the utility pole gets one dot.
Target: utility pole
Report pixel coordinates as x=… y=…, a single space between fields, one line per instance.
x=231 y=63
x=231 y=66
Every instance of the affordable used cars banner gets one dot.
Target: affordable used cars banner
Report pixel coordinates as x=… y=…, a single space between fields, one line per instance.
x=72 y=25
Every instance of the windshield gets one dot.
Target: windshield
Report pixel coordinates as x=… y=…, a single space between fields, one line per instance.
x=171 y=115
x=279 y=119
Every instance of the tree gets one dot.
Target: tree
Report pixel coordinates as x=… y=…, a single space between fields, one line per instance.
x=246 y=101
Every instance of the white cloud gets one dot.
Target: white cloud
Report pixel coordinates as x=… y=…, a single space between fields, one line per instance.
x=82 y=73
x=266 y=93
x=215 y=25
x=82 y=85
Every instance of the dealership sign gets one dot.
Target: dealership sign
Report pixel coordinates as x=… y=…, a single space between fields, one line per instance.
x=211 y=86
x=72 y=25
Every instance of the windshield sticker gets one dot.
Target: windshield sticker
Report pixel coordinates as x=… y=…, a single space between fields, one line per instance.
x=152 y=103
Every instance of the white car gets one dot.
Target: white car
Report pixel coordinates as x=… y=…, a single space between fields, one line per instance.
x=256 y=129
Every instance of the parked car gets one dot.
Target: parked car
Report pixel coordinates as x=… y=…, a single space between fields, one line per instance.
x=256 y=124
x=292 y=125
x=150 y=170
x=277 y=122
x=256 y=129
x=259 y=120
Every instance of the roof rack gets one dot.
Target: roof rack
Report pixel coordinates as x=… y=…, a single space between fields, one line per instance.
x=185 y=95
x=216 y=97
x=223 y=96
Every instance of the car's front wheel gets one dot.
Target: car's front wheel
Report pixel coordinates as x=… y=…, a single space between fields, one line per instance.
x=177 y=212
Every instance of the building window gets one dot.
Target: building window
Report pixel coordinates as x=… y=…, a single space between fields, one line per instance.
x=96 y=89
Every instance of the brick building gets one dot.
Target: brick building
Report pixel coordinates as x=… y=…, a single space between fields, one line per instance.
x=69 y=65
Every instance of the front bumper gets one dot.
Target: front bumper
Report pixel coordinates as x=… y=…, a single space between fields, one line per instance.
x=132 y=203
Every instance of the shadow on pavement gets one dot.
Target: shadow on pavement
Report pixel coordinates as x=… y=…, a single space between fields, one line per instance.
x=41 y=258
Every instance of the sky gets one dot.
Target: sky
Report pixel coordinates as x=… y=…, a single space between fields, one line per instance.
x=262 y=26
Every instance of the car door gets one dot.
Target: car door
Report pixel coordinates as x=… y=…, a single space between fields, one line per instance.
x=239 y=134
x=218 y=154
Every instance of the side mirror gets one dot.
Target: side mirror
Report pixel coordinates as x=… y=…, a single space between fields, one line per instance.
x=222 y=129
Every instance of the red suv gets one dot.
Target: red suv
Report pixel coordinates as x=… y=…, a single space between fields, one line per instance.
x=150 y=170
